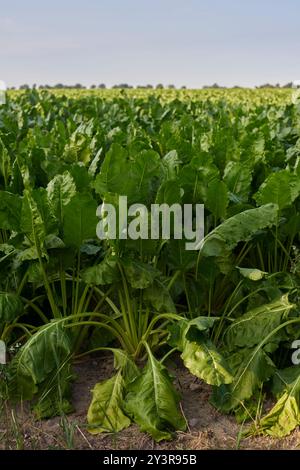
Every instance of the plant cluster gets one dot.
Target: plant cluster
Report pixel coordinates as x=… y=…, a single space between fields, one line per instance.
x=231 y=309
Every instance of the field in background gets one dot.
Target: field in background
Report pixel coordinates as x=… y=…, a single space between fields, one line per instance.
x=254 y=96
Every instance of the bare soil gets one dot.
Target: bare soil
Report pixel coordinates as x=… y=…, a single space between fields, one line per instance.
x=207 y=428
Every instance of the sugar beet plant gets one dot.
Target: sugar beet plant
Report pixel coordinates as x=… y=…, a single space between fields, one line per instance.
x=230 y=310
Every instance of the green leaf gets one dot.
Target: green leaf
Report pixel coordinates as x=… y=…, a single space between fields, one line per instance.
x=90 y=249
x=199 y=354
x=146 y=173
x=80 y=220
x=10 y=211
x=252 y=273
x=241 y=227
x=94 y=163
x=103 y=273
x=284 y=380
x=178 y=257
x=204 y=361
x=40 y=357
x=111 y=176
x=250 y=368
x=5 y=162
x=105 y=413
x=281 y=188
x=159 y=297
x=141 y=174
x=139 y=275
x=179 y=330
x=171 y=164
x=237 y=177
x=169 y=193
x=32 y=222
x=122 y=361
x=53 y=242
x=284 y=417
x=61 y=189
x=11 y=307
x=81 y=177
x=252 y=327
x=195 y=179
x=217 y=199
x=41 y=199
x=153 y=403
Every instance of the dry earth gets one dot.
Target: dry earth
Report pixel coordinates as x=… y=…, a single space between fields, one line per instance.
x=207 y=428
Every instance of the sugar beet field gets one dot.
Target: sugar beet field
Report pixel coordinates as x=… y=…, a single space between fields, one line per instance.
x=141 y=343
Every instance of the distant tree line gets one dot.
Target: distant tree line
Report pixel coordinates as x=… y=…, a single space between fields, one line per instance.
x=265 y=85
x=124 y=86
x=79 y=86
x=269 y=85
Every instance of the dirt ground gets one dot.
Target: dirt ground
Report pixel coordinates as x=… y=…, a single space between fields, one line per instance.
x=207 y=428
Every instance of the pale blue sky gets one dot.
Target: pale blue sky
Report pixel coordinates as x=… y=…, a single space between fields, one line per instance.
x=188 y=42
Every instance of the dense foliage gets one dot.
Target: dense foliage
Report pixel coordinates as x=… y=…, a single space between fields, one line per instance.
x=231 y=310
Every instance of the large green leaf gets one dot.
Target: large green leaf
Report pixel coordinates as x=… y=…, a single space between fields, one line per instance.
x=41 y=356
x=169 y=193
x=240 y=227
x=252 y=327
x=195 y=178
x=251 y=368
x=203 y=360
x=237 y=177
x=217 y=199
x=199 y=354
x=281 y=188
x=284 y=417
x=146 y=173
x=61 y=189
x=41 y=199
x=152 y=402
x=111 y=176
x=80 y=220
x=134 y=178
x=105 y=411
x=32 y=223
